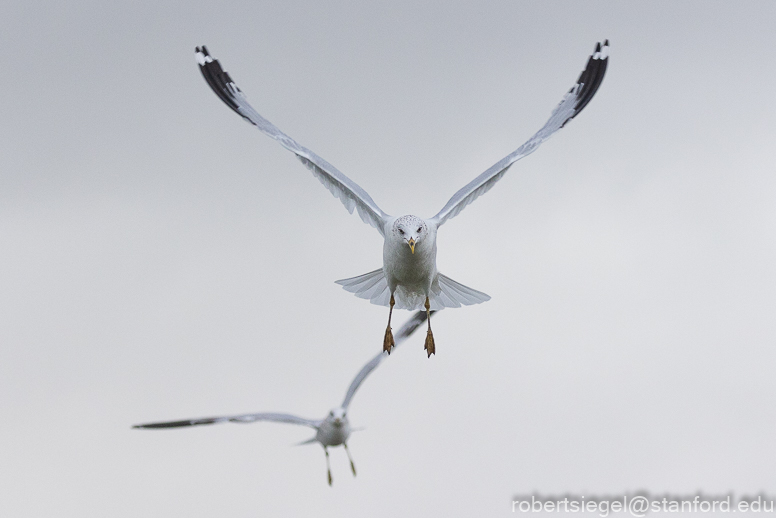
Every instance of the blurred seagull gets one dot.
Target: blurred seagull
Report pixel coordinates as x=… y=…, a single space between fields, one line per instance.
x=409 y=278
x=334 y=429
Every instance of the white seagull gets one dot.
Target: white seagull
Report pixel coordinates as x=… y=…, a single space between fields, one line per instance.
x=409 y=278
x=334 y=429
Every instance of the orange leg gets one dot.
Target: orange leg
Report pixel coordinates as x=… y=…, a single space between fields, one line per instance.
x=388 y=342
x=429 y=335
x=328 y=467
x=352 y=466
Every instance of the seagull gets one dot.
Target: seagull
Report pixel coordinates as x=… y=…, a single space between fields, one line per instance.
x=332 y=430
x=409 y=278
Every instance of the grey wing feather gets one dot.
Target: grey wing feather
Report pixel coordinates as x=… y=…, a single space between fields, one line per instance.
x=402 y=334
x=573 y=103
x=342 y=187
x=242 y=418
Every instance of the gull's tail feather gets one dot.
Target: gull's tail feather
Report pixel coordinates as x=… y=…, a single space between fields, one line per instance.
x=308 y=441
x=372 y=286
x=445 y=292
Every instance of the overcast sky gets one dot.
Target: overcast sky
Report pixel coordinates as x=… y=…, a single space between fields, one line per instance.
x=161 y=259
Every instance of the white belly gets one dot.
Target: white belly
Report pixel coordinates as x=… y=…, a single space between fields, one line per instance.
x=330 y=435
x=409 y=275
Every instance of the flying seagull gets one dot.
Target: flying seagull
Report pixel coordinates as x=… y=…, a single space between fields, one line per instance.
x=332 y=430
x=409 y=278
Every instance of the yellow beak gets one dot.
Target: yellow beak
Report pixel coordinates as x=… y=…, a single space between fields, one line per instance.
x=411 y=242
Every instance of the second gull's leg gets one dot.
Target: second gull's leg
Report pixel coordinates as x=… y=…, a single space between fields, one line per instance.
x=328 y=467
x=352 y=466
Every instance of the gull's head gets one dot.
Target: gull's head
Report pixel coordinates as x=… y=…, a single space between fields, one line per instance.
x=411 y=230
x=337 y=416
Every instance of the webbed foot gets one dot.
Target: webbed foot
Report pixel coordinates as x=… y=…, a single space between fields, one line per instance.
x=429 y=347
x=388 y=342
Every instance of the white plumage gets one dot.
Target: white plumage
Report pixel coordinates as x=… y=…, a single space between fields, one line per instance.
x=409 y=276
x=333 y=430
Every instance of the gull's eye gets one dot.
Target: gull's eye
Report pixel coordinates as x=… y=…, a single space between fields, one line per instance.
x=401 y=232
x=420 y=229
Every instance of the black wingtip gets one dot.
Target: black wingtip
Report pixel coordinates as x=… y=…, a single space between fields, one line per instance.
x=176 y=424
x=590 y=78
x=216 y=77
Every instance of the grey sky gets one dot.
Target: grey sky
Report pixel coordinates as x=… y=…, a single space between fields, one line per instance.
x=161 y=259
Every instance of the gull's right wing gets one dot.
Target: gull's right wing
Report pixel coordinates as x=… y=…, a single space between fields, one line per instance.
x=242 y=418
x=342 y=187
x=406 y=330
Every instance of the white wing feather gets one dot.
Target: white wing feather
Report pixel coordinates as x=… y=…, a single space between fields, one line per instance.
x=573 y=103
x=242 y=418
x=346 y=190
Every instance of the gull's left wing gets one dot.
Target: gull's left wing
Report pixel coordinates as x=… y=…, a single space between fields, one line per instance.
x=350 y=194
x=573 y=103
x=406 y=330
x=242 y=418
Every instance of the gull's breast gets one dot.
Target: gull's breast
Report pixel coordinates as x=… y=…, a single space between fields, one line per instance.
x=408 y=268
x=330 y=435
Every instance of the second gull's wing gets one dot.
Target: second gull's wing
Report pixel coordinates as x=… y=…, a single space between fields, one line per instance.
x=242 y=418
x=402 y=334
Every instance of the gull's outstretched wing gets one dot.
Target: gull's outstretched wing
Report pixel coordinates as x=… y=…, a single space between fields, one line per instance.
x=242 y=418
x=342 y=187
x=402 y=334
x=573 y=103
